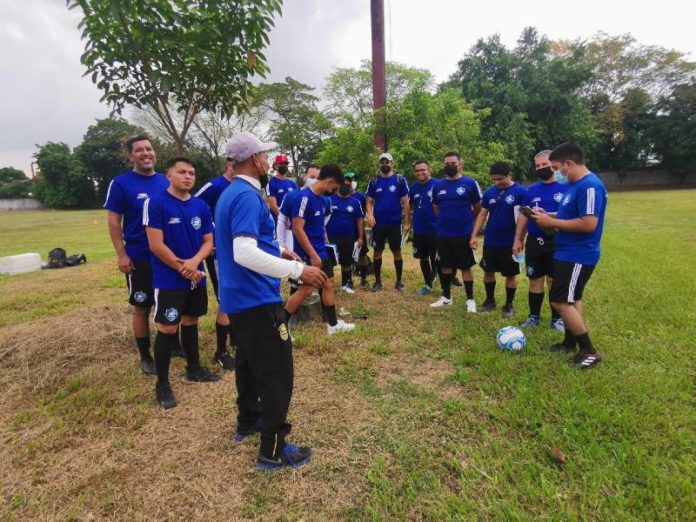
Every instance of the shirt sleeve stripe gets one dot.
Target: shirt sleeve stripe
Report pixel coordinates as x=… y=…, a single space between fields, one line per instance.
x=591 y=201
x=108 y=193
x=146 y=215
x=203 y=189
x=303 y=206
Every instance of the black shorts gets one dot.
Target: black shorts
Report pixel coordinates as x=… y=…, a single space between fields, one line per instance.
x=499 y=259
x=424 y=246
x=569 y=281
x=171 y=305
x=455 y=252
x=538 y=253
x=327 y=266
x=140 y=291
x=211 y=265
x=345 y=246
x=380 y=236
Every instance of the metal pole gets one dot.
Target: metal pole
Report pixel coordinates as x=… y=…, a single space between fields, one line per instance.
x=379 y=79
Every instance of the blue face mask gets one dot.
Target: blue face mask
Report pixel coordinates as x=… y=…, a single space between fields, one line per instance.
x=560 y=178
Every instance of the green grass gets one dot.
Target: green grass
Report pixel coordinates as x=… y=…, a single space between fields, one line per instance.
x=415 y=415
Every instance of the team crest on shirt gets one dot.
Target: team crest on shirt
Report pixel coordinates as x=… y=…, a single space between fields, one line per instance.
x=430 y=193
x=196 y=222
x=566 y=200
x=283 y=332
x=350 y=208
x=509 y=199
x=530 y=271
x=461 y=190
x=140 y=297
x=557 y=196
x=392 y=188
x=171 y=314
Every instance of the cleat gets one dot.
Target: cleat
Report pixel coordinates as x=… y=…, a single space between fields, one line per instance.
x=443 y=301
x=585 y=361
x=200 y=374
x=457 y=282
x=376 y=287
x=532 y=320
x=424 y=291
x=290 y=456
x=488 y=306
x=224 y=360
x=147 y=366
x=340 y=326
x=558 y=325
x=165 y=397
x=508 y=311
x=347 y=289
x=470 y=306
x=399 y=286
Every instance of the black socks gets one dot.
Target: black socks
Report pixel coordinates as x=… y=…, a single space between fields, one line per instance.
x=330 y=314
x=535 y=302
x=143 y=344
x=189 y=340
x=164 y=344
x=399 y=266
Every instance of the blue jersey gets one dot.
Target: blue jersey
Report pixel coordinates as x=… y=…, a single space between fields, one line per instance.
x=126 y=196
x=312 y=209
x=242 y=211
x=210 y=192
x=279 y=188
x=344 y=215
x=546 y=196
x=455 y=199
x=585 y=197
x=286 y=207
x=502 y=206
x=361 y=199
x=387 y=193
x=421 y=197
x=183 y=225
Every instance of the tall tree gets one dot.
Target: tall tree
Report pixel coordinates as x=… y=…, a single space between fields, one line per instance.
x=176 y=56
x=63 y=182
x=674 y=131
x=14 y=183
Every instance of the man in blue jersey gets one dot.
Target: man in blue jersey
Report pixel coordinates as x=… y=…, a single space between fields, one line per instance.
x=420 y=196
x=124 y=204
x=580 y=222
x=279 y=185
x=539 y=247
x=456 y=203
x=284 y=220
x=364 y=249
x=309 y=229
x=387 y=202
x=180 y=236
x=210 y=193
x=345 y=230
x=500 y=205
x=250 y=268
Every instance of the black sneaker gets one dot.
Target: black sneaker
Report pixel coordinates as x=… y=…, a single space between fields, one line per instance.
x=244 y=432
x=290 y=456
x=457 y=282
x=560 y=347
x=147 y=366
x=165 y=397
x=200 y=374
x=399 y=286
x=377 y=287
x=349 y=284
x=487 y=306
x=585 y=361
x=508 y=311
x=224 y=360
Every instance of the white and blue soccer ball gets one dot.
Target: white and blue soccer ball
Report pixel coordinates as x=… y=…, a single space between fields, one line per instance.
x=511 y=339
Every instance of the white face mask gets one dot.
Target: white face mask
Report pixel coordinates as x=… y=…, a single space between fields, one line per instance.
x=354 y=185
x=309 y=182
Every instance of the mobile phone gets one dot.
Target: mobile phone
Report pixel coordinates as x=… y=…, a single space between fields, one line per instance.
x=526 y=211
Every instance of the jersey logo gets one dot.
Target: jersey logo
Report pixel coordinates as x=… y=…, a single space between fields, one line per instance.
x=378 y=190
x=171 y=314
x=290 y=189
x=430 y=193
x=492 y=201
x=566 y=200
x=443 y=191
x=510 y=199
x=350 y=208
x=557 y=196
x=281 y=190
x=317 y=213
x=174 y=221
x=196 y=222
x=392 y=188
x=416 y=196
x=538 y=200
x=140 y=297
x=142 y=195
x=461 y=190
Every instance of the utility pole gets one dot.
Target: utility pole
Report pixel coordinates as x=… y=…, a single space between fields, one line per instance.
x=379 y=79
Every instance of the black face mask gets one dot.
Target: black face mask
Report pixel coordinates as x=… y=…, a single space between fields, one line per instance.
x=451 y=170
x=344 y=190
x=263 y=179
x=329 y=192
x=385 y=168
x=544 y=173
x=283 y=169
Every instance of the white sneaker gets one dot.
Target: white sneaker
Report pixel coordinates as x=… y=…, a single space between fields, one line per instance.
x=340 y=326
x=443 y=301
x=347 y=289
x=471 y=306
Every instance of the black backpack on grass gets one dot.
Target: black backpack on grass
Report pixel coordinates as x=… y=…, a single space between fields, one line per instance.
x=57 y=258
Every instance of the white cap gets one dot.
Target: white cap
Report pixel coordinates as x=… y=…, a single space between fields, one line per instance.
x=244 y=145
x=386 y=155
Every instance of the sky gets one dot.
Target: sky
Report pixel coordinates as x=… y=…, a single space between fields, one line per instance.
x=43 y=96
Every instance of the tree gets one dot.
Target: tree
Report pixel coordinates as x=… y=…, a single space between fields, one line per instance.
x=174 y=56
x=296 y=124
x=102 y=152
x=353 y=149
x=674 y=130
x=14 y=183
x=63 y=182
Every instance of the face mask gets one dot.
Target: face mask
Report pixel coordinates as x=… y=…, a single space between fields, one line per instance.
x=283 y=169
x=344 y=190
x=560 y=178
x=354 y=185
x=309 y=182
x=329 y=192
x=451 y=170
x=385 y=168
x=544 y=173
x=263 y=179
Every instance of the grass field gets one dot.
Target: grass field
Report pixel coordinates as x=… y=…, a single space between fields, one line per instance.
x=414 y=415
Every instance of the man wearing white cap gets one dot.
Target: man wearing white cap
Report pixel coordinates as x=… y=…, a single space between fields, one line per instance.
x=250 y=267
x=387 y=202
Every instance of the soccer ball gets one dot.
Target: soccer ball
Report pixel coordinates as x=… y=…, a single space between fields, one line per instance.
x=510 y=339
